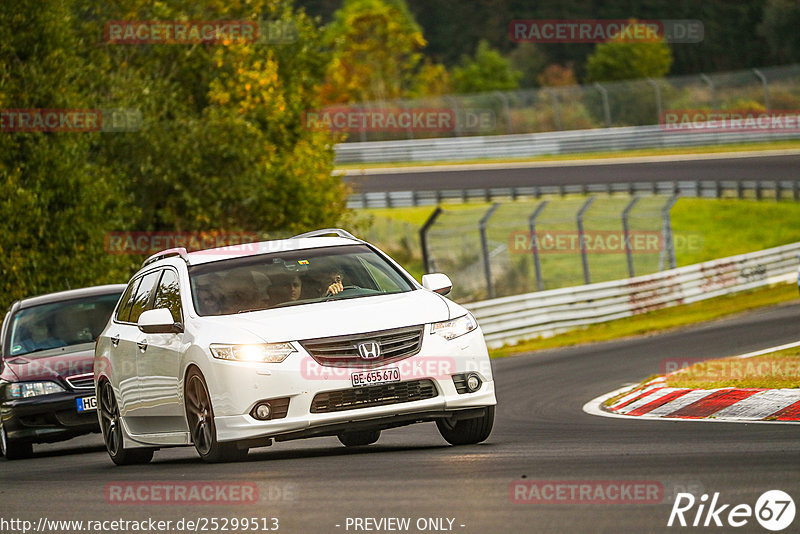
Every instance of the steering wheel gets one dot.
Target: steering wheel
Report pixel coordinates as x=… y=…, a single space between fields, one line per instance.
x=328 y=293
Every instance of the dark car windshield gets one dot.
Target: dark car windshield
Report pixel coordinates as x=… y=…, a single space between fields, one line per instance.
x=292 y=278
x=60 y=324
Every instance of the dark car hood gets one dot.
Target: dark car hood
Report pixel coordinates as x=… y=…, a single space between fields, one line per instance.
x=55 y=364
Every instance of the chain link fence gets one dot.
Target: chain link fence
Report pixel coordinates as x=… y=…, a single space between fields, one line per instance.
x=598 y=105
x=513 y=248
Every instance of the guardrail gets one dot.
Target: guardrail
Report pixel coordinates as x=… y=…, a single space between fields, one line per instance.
x=778 y=189
x=510 y=320
x=538 y=144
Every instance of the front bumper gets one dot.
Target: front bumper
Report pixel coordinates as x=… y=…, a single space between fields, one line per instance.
x=237 y=388
x=48 y=418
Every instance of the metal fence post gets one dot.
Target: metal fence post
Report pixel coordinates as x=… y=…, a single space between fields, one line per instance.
x=556 y=110
x=454 y=105
x=584 y=258
x=506 y=110
x=423 y=238
x=485 y=249
x=606 y=106
x=711 y=89
x=537 y=265
x=627 y=234
x=668 y=246
x=657 y=89
x=760 y=75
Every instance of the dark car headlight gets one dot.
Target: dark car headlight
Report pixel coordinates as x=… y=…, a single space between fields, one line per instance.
x=24 y=390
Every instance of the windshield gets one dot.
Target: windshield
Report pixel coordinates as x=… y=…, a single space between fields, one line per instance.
x=60 y=324
x=292 y=278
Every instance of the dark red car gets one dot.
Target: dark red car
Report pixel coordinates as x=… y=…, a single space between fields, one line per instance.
x=46 y=367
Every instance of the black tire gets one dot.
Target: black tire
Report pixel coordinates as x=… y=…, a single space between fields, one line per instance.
x=14 y=450
x=111 y=428
x=467 y=431
x=359 y=438
x=200 y=419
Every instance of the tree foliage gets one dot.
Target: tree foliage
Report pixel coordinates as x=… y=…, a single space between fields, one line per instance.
x=780 y=29
x=488 y=70
x=620 y=60
x=222 y=145
x=376 y=48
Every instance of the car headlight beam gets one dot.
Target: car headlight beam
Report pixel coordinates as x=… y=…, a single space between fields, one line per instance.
x=454 y=328
x=262 y=353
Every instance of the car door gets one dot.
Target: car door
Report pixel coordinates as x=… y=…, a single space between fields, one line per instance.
x=125 y=354
x=158 y=362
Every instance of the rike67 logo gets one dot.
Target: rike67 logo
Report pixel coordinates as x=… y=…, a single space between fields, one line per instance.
x=774 y=510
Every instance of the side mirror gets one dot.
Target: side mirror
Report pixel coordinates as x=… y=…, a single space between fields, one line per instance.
x=158 y=322
x=437 y=282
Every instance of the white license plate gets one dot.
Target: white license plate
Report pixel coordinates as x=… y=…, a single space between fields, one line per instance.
x=86 y=404
x=379 y=376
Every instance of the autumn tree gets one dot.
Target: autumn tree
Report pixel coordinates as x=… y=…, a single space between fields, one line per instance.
x=376 y=46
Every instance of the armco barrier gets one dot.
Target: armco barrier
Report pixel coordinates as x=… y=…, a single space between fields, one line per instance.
x=510 y=320
x=538 y=144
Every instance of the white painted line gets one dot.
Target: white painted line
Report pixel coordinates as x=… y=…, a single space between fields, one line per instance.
x=563 y=163
x=594 y=407
x=647 y=399
x=680 y=402
x=761 y=404
x=772 y=349
x=630 y=396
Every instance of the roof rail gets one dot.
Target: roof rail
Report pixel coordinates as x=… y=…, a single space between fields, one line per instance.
x=326 y=231
x=180 y=251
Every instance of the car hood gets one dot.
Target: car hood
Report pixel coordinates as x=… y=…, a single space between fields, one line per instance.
x=50 y=365
x=338 y=317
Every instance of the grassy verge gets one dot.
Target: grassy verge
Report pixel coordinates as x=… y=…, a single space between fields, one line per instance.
x=710 y=149
x=660 y=320
x=774 y=370
x=704 y=229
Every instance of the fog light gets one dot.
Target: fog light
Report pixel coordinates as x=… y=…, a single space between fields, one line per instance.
x=473 y=383
x=263 y=411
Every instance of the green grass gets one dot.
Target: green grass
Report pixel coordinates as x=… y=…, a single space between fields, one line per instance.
x=705 y=229
x=710 y=149
x=774 y=370
x=728 y=226
x=660 y=320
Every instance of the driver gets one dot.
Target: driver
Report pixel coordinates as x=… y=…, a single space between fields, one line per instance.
x=331 y=282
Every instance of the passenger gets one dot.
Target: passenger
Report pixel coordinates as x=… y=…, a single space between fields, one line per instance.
x=285 y=287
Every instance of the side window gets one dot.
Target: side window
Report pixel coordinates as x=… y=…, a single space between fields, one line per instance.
x=141 y=300
x=125 y=303
x=169 y=295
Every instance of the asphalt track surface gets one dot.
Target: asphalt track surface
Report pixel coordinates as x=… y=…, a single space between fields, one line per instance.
x=540 y=433
x=772 y=167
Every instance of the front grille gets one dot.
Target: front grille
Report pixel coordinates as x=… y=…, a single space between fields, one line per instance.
x=85 y=381
x=342 y=351
x=353 y=398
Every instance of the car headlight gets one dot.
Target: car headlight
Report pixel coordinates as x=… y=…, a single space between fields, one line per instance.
x=455 y=327
x=22 y=390
x=265 y=352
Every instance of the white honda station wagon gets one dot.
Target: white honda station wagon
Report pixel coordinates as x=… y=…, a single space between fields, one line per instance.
x=318 y=335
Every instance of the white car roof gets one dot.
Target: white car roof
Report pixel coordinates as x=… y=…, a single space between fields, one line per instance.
x=252 y=249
